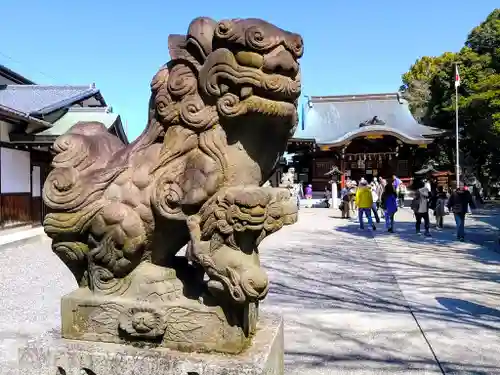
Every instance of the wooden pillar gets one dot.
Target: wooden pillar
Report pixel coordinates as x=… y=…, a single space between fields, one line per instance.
x=411 y=160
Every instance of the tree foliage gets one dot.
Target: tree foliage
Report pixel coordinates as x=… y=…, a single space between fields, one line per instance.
x=429 y=88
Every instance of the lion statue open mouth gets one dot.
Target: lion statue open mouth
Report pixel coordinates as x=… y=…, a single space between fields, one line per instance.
x=220 y=115
x=255 y=71
x=244 y=66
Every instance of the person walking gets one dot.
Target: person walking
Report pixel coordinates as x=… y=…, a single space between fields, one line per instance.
x=395 y=182
x=420 y=206
x=459 y=203
x=309 y=195
x=376 y=201
x=352 y=192
x=327 y=196
x=476 y=194
x=390 y=206
x=440 y=201
x=401 y=193
x=380 y=191
x=364 y=202
x=345 y=201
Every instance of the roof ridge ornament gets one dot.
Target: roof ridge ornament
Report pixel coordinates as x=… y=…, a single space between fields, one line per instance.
x=428 y=167
x=374 y=121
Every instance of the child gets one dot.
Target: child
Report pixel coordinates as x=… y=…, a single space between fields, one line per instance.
x=345 y=205
x=352 y=192
x=401 y=195
x=439 y=211
x=390 y=206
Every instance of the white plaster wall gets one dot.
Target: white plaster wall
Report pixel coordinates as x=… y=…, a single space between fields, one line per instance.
x=15 y=171
x=35 y=182
x=5 y=129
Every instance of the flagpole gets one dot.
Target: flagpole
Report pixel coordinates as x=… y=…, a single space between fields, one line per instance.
x=457 y=83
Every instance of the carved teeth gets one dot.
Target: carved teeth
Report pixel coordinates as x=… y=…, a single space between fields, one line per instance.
x=246 y=92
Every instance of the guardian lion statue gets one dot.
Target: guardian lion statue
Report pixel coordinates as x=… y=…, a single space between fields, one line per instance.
x=220 y=115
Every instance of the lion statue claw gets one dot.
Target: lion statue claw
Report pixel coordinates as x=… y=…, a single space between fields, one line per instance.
x=220 y=115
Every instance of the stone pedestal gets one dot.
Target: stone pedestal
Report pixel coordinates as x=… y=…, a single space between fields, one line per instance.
x=52 y=355
x=165 y=318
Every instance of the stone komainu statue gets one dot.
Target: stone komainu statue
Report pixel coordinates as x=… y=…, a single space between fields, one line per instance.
x=220 y=114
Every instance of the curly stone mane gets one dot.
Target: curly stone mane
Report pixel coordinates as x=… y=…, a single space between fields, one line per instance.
x=220 y=115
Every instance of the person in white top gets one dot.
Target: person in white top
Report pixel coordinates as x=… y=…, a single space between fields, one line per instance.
x=376 y=199
x=401 y=194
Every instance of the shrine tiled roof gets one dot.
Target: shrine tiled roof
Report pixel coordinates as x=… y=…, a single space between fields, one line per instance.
x=42 y=99
x=335 y=120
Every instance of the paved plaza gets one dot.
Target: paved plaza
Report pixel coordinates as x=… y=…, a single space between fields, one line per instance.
x=355 y=302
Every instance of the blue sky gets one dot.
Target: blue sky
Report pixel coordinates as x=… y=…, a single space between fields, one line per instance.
x=351 y=47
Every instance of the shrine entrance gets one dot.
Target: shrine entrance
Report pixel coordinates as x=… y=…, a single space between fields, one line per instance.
x=375 y=156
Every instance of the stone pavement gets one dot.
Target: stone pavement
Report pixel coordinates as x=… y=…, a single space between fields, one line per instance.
x=355 y=302
x=453 y=289
x=363 y=302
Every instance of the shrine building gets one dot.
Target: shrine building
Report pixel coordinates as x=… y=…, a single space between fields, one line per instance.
x=362 y=135
x=32 y=117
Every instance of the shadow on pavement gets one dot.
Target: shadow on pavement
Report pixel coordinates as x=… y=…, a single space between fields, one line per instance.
x=462 y=307
x=344 y=307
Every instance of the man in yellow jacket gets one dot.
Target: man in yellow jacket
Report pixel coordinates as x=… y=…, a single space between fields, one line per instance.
x=364 y=202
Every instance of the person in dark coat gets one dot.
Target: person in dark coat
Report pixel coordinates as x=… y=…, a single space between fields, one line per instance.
x=459 y=203
x=420 y=207
x=390 y=206
x=438 y=204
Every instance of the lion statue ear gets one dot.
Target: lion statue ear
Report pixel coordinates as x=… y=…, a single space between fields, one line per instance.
x=177 y=47
x=200 y=34
x=196 y=45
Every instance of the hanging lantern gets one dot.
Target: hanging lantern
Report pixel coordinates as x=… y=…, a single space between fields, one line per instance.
x=369 y=157
x=350 y=157
x=390 y=157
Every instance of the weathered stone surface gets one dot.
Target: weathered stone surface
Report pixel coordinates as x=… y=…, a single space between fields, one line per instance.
x=220 y=114
x=52 y=355
x=182 y=324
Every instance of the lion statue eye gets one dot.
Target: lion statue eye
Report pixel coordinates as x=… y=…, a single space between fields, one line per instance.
x=256 y=38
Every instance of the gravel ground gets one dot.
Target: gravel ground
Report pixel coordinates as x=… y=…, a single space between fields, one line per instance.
x=32 y=282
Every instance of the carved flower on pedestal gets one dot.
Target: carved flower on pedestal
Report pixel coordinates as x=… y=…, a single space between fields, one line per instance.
x=142 y=322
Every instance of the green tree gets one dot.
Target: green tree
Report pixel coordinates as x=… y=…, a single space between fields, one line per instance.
x=429 y=88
